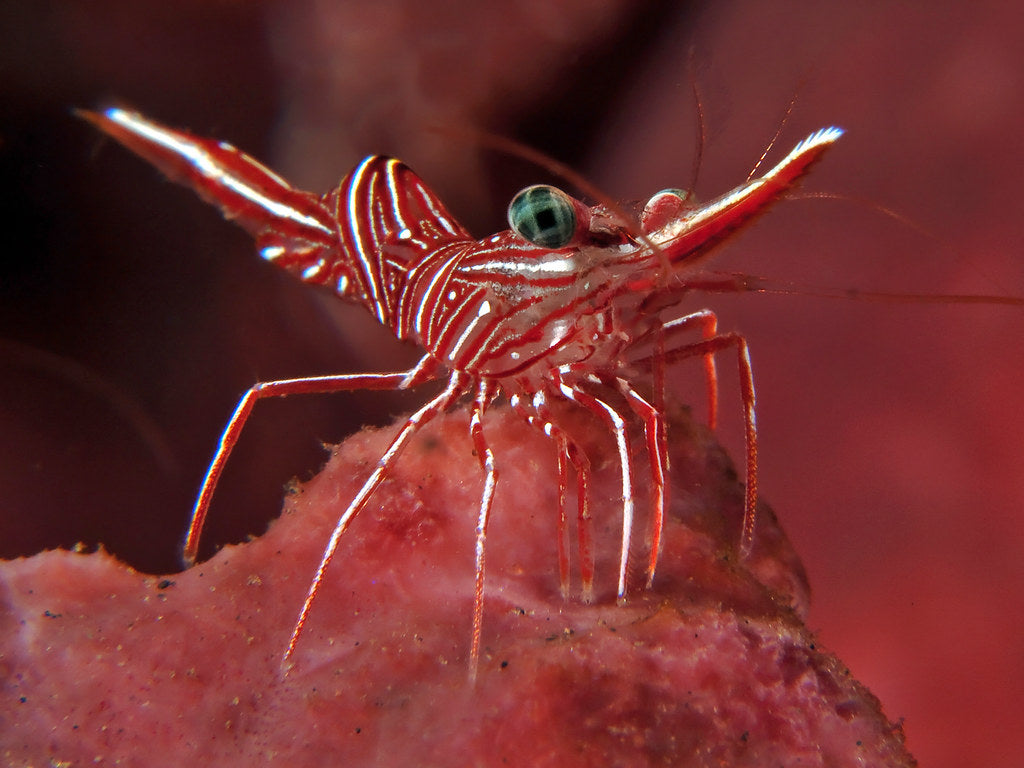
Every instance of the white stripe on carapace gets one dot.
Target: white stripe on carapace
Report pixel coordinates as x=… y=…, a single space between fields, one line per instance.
x=445 y=325
x=426 y=305
x=564 y=266
x=393 y=167
x=439 y=216
x=354 y=218
x=392 y=183
x=482 y=312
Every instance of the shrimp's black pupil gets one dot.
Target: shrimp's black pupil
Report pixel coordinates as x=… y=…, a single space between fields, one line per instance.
x=545 y=219
x=544 y=216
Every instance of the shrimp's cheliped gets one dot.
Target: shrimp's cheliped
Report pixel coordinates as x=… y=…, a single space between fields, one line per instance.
x=562 y=309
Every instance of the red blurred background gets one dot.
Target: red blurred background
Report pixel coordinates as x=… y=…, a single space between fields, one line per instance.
x=132 y=317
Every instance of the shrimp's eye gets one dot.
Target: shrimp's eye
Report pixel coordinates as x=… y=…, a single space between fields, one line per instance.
x=543 y=215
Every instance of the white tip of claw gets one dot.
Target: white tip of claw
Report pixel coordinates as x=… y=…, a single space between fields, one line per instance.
x=818 y=138
x=807 y=150
x=122 y=117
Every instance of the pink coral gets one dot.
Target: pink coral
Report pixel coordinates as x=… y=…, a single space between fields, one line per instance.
x=712 y=666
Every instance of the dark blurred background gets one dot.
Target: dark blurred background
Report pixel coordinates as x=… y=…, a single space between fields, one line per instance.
x=132 y=317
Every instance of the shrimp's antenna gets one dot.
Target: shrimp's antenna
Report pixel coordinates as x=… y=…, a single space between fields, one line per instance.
x=702 y=134
x=775 y=138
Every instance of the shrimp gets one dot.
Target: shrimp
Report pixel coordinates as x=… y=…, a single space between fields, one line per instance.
x=564 y=307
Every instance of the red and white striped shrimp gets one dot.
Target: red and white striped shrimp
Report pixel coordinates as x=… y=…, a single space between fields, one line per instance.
x=565 y=306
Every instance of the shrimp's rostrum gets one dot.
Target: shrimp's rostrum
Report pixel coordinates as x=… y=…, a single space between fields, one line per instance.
x=565 y=306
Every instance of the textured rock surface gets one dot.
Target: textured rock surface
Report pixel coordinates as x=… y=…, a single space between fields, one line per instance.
x=711 y=667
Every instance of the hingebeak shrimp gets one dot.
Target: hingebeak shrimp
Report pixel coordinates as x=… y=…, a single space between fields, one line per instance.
x=567 y=305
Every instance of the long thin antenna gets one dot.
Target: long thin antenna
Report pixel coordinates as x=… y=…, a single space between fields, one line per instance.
x=775 y=138
x=702 y=129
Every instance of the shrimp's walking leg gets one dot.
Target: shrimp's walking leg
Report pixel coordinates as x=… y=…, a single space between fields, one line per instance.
x=584 y=523
x=657 y=453
x=538 y=415
x=710 y=347
x=484 y=395
x=530 y=414
x=618 y=426
x=708 y=323
x=562 y=448
x=456 y=388
x=283 y=388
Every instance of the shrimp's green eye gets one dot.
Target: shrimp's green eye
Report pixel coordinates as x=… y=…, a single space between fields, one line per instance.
x=544 y=216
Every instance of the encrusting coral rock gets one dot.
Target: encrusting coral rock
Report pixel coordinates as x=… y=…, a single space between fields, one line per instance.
x=712 y=666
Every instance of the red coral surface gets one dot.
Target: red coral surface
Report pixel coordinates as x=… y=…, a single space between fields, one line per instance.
x=713 y=666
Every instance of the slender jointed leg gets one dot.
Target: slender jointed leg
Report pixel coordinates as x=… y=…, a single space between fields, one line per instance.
x=484 y=395
x=707 y=321
x=456 y=388
x=617 y=424
x=710 y=347
x=538 y=414
x=310 y=385
x=584 y=523
x=534 y=419
x=657 y=454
